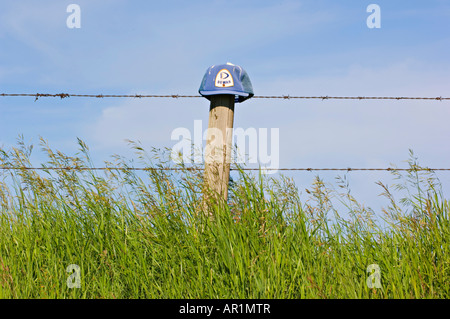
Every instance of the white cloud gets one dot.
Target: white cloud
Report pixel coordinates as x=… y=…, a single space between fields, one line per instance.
x=150 y=121
x=316 y=132
x=31 y=24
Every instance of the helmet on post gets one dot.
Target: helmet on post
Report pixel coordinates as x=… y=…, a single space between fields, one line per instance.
x=226 y=79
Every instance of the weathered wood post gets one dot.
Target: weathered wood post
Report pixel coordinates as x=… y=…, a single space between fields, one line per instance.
x=224 y=85
x=218 y=144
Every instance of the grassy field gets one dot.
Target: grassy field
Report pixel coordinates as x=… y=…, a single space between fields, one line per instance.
x=145 y=235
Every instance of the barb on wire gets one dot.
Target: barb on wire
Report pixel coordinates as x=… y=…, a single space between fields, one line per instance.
x=176 y=96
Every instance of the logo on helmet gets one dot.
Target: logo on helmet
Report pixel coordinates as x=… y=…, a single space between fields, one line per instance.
x=224 y=79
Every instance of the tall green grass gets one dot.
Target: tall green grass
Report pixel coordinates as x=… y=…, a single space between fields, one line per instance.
x=145 y=234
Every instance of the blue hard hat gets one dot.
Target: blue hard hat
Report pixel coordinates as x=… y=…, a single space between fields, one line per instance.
x=226 y=79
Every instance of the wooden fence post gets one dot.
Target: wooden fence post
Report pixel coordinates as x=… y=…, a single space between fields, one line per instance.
x=218 y=144
x=223 y=85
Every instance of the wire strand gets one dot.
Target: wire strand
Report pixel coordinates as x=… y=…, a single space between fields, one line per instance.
x=349 y=169
x=176 y=96
x=285 y=97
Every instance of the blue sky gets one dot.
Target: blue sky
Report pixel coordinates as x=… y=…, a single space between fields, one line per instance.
x=286 y=47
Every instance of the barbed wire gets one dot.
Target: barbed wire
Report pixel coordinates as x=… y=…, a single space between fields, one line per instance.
x=67 y=95
x=176 y=96
x=348 y=169
x=286 y=97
